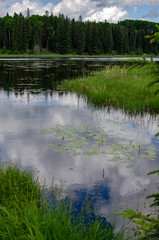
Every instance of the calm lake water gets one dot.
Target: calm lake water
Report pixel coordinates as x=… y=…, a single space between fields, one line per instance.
x=103 y=153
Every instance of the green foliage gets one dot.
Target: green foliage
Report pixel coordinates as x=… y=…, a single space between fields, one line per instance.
x=13 y=189
x=62 y=35
x=155 y=37
x=147 y=225
x=119 y=87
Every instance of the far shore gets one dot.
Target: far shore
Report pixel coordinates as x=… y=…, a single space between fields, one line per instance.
x=75 y=57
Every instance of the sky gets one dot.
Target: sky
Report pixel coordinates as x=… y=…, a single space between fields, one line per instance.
x=92 y=10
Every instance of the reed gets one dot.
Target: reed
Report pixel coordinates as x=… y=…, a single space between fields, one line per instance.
x=120 y=87
x=25 y=212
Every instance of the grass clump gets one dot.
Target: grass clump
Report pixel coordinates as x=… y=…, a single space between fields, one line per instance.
x=26 y=214
x=120 y=87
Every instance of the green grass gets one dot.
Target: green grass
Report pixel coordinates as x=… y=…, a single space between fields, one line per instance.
x=25 y=213
x=54 y=55
x=118 y=87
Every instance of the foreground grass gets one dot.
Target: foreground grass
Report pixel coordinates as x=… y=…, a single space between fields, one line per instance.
x=118 y=87
x=25 y=213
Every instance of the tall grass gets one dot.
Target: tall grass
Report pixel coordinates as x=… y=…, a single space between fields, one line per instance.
x=119 y=87
x=25 y=213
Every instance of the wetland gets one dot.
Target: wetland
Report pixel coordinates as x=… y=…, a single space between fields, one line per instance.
x=101 y=152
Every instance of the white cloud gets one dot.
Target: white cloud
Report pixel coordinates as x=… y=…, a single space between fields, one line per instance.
x=90 y=10
x=72 y=8
x=98 y=10
x=35 y=8
x=112 y=14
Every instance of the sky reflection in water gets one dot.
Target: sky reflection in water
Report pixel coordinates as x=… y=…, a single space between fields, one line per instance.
x=24 y=115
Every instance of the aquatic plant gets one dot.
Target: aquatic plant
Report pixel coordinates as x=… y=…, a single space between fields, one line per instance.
x=86 y=140
x=119 y=87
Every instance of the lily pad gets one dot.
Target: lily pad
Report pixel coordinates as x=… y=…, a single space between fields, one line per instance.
x=129 y=166
x=115 y=159
x=90 y=141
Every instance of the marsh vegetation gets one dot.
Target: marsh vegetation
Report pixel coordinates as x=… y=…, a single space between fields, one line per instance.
x=120 y=87
x=25 y=212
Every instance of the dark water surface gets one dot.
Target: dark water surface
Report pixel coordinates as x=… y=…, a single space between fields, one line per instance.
x=101 y=152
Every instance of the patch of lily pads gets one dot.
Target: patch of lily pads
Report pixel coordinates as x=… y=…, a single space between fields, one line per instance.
x=86 y=140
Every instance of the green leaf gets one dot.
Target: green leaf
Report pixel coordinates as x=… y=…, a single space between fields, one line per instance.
x=153 y=172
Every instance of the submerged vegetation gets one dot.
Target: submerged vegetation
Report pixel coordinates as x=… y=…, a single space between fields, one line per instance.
x=120 y=87
x=25 y=212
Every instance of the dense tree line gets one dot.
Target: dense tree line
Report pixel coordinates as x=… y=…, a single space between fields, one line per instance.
x=32 y=34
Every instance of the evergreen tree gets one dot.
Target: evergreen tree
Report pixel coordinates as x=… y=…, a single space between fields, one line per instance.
x=16 y=31
x=28 y=35
x=38 y=31
x=45 y=30
x=125 y=36
x=80 y=37
x=140 y=42
x=118 y=38
x=59 y=34
x=107 y=38
x=8 y=28
x=63 y=40
x=74 y=35
x=51 y=39
x=22 y=45
x=28 y=13
x=88 y=34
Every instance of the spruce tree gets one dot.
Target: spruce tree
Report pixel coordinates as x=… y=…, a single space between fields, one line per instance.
x=80 y=37
x=16 y=31
x=63 y=40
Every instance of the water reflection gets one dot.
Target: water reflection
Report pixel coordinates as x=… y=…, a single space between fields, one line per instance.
x=24 y=114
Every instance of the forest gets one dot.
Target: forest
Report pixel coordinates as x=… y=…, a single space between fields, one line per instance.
x=59 y=34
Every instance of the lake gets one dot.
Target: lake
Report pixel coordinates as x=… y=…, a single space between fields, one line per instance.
x=101 y=153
